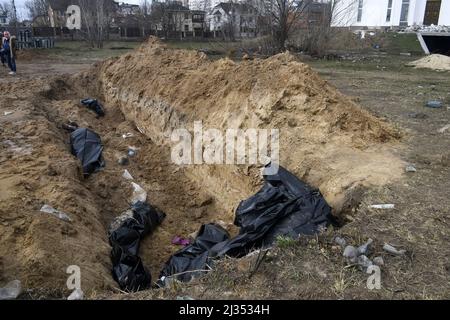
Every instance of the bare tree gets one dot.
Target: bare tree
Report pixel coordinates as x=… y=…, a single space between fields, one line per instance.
x=144 y=16
x=37 y=8
x=96 y=16
x=159 y=17
x=282 y=17
x=6 y=8
x=319 y=32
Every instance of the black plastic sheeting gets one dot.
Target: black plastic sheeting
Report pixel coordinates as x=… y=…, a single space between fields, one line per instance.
x=128 y=270
x=87 y=147
x=94 y=105
x=285 y=206
x=195 y=256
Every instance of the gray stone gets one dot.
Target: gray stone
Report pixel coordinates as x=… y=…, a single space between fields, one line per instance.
x=364 y=262
x=364 y=249
x=378 y=261
x=11 y=291
x=340 y=241
x=351 y=253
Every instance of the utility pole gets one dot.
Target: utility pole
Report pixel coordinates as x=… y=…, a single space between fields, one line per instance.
x=15 y=17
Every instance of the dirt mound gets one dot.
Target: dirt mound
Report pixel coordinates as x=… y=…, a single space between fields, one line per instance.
x=325 y=138
x=434 y=62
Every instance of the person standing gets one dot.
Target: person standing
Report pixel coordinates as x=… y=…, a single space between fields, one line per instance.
x=2 y=52
x=9 y=47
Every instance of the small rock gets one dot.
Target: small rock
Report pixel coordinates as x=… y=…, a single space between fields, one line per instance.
x=364 y=249
x=127 y=175
x=184 y=298
x=77 y=294
x=59 y=214
x=410 y=168
x=388 y=248
x=434 y=104
x=351 y=253
x=340 y=241
x=11 y=291
x=132 y=151
x=364 y=262
x=378 y=261
x=382 y=206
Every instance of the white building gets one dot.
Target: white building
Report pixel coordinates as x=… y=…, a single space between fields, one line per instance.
x=4 y=19
x=390 y=13
x=237 y=18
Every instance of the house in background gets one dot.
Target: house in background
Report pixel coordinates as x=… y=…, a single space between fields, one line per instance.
x=126 y=9
x=4 y=19
x=233 y=19
x=390 y=13
x=173 y=19
x=198 y=22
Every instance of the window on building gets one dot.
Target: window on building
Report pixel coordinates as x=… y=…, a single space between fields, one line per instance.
x=404 y=13
x=389 y=11
x=186 y=16
x=360 y=9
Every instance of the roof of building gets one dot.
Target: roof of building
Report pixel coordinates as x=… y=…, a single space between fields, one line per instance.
x=228 y=7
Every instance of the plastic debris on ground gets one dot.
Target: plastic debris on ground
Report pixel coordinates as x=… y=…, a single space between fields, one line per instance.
x=132 y=151
x=194 y=259
x=410 y=168
x=77 y=294
x=94 y=105
x=285 y=206
x=127 y=135
x=359 y=256
x=139 y=194
x=59 y=214
x=127 y=175
x=7 y=113
x=128 y=269
x=179 y=241
x=392 y=250
x=11 y=291
x=88 y=148
x=435 y=104
x=382 y=206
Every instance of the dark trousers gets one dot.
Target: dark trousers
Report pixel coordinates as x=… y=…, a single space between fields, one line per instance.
x=11 y=62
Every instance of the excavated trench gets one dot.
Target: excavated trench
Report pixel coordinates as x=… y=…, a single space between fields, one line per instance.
x=325 y=139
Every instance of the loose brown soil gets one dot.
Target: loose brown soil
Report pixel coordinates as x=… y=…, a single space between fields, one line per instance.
x=326 y=139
